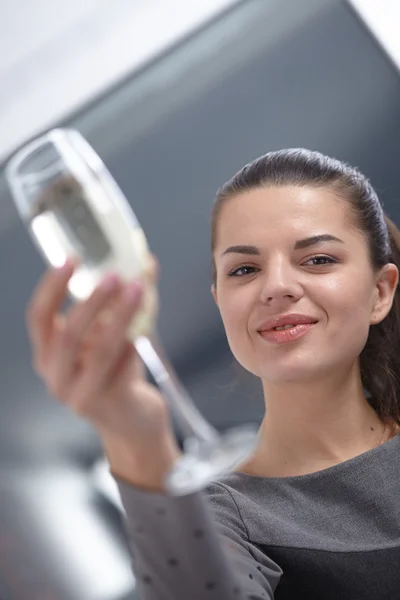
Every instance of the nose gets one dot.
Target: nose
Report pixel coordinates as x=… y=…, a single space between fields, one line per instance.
x=280 y=281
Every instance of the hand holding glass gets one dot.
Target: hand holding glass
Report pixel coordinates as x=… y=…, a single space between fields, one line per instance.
x=73 y=207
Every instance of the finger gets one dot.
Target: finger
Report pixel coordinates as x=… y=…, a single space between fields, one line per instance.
x=137 y=369
x=107 y=351
x=46 y=300
x=123 y=366
x=68 y=341
x=92 y=406
x=96 y=328
x=154 y=268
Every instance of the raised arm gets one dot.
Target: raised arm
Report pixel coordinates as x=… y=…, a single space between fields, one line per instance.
x=193 y=548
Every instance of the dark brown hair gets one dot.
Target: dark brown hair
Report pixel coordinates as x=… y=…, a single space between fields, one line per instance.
x=380 y=358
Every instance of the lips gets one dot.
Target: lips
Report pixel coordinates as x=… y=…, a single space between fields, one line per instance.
x=287 y=336
x=289 y=319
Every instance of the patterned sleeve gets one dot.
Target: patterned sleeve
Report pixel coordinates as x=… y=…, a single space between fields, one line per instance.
x=193 y=547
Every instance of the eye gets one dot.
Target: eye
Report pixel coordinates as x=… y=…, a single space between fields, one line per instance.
x=320 y=261
x=321 y=257
x=236 y=272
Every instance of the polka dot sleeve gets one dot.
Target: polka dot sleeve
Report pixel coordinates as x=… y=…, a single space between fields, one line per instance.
x=180 y=552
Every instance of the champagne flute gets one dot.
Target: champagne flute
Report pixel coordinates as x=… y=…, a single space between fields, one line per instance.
x=72 y=207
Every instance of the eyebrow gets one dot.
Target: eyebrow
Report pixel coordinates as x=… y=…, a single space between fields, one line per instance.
x=299 y=245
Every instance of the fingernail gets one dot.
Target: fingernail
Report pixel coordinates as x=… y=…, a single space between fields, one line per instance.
x=132 y=292
x=110 y=282
x=66 y=266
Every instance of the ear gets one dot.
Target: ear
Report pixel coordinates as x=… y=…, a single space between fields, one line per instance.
x=214 y=293
x=385 y=289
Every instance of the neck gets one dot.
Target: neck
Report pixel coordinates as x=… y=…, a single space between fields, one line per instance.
x=307 y=428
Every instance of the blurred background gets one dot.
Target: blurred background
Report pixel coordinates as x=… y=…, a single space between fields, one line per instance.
x=175 y=96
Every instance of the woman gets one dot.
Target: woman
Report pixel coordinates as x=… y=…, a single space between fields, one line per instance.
x=298 y=240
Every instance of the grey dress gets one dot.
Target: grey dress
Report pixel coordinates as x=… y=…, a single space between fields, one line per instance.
x=329 y=535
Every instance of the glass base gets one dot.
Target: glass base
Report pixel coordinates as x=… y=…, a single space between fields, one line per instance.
x=204 y=462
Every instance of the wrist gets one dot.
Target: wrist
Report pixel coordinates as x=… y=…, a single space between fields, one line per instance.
x=144 y=468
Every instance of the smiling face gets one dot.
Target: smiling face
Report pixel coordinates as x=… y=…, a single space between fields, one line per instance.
x=280 y=273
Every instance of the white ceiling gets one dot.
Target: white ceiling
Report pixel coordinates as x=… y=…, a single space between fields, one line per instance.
x=56 y=55
x=383 y=19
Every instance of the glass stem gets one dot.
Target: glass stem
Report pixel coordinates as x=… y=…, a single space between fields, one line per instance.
x=195 y=427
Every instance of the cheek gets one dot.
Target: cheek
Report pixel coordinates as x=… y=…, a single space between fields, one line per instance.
x=234 y=317
x=235 y=311
x=348 y=312
x=347 y=296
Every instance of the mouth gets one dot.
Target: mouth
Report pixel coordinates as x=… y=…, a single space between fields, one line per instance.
x=284 y=327
x=287 y=333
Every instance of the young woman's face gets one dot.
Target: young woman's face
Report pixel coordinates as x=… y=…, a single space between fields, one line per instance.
x=330 y=281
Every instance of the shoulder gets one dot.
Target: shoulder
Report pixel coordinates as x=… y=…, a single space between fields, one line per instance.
x=230 y=499
x=231 y=489
x=223 y=494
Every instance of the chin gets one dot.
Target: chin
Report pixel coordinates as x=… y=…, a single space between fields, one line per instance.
x=293 y=376
x=285 y=369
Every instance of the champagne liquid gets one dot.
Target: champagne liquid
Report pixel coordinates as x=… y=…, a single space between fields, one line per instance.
x=69 y=220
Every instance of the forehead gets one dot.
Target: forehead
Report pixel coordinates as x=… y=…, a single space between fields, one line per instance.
x=279 y=209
